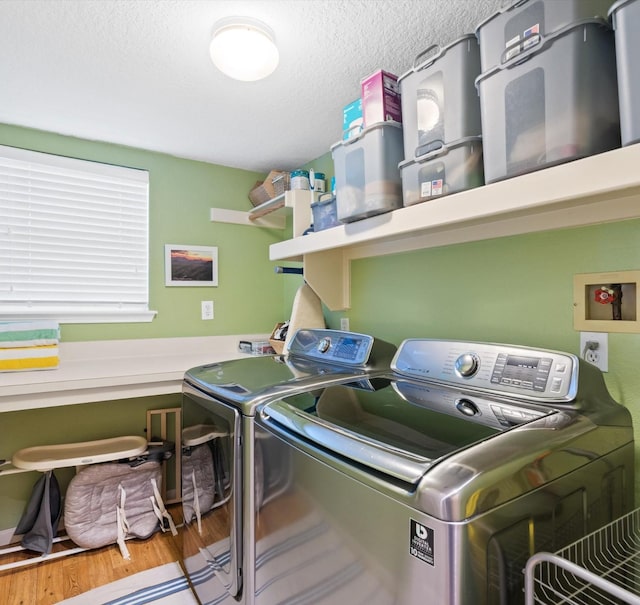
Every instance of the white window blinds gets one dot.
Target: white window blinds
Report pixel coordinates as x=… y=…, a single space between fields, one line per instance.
x=73 y=239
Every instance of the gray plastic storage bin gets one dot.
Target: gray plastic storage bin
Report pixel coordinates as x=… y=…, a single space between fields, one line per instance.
x=520 y=23
x=324 y=213
x=625 y=16
x=439 y=100
x=555 y=103
x=453 y=168
x=366 y=172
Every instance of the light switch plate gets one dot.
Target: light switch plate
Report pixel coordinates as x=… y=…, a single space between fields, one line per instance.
x=206 y=309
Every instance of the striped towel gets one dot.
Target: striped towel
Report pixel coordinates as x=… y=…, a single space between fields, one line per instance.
x=29 y=358
x=15 y=334
x=29 y=345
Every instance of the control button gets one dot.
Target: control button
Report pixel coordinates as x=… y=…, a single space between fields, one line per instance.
x=561 y=368
x=497 y=411
x=467 y=407
x=556 y=385
x=324 y=344
x=467 y=365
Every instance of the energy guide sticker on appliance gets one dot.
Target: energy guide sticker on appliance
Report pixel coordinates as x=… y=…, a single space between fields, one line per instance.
x=421 y=542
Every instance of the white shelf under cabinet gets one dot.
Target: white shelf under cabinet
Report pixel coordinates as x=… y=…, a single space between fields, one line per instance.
x=601 y=188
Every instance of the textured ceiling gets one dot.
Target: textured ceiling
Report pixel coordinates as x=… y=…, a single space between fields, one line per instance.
x=138 y=73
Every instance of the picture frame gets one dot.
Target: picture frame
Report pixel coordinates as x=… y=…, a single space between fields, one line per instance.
x=187 y=265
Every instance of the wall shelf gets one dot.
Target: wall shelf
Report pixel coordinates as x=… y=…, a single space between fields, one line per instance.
x=597 y=189
x=272 y=213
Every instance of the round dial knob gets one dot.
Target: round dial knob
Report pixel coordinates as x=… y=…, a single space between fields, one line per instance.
x=467 y=364
x=467 y=407
x=324 y=344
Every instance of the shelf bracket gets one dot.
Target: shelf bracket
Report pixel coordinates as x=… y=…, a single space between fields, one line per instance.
x=329 y=274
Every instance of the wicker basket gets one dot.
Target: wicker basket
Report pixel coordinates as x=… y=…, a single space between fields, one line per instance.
x=265 y=191
x=282 y=183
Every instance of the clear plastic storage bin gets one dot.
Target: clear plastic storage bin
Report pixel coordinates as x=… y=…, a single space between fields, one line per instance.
x=366 y=172
x=453 y=168
x=324 y=213
x=439 y=100
x=555 y=103
x=625 y=16
x=517 y=26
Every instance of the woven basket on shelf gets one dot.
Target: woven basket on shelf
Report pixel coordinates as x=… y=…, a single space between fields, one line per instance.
x=265 y=191
x=282 y=183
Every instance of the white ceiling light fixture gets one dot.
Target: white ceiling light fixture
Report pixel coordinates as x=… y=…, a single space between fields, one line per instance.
x=244 y=49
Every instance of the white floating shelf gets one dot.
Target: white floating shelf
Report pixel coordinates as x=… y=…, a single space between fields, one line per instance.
x=272 y=214
x=237 y=217
x=596 y=189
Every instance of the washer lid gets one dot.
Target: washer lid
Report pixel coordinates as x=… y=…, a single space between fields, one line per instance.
x=400 y=429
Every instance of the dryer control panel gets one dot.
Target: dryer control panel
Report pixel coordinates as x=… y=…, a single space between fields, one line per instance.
x=536 y=374
x=340 y=347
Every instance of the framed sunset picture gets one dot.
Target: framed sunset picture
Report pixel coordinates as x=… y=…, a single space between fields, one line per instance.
x=190 y=265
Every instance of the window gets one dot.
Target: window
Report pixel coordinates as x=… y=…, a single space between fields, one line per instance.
x=73 y=239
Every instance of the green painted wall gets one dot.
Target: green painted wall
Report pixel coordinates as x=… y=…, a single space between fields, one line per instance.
x=513 y=290
x=250 y=296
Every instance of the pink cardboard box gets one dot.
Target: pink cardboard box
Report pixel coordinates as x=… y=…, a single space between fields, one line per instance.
x=380 y=98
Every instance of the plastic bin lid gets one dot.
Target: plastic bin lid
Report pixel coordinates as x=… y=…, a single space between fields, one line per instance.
x=323 y=201
x=545 y=41
x=433 y=58
x=616 y=6
x=440 y=151
x=352 y=140
x=507 y=5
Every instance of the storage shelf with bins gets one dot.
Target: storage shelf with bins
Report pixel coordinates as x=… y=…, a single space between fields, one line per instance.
x=596 y=189
x=272 y=213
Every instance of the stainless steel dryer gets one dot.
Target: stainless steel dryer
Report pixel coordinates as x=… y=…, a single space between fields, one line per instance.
x=219 y=449
x=435 y=482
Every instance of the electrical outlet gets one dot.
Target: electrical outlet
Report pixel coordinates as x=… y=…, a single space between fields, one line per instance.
x=594 y=348
x=344 y=324
x=206 y=307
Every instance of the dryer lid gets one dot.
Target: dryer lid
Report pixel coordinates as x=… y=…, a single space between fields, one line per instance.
x=315 y=356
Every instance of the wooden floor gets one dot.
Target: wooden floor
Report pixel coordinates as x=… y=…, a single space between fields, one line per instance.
x=49 y=582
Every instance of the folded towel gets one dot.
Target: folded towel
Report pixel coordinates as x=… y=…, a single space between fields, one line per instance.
x=28 y=333
x=29 y=358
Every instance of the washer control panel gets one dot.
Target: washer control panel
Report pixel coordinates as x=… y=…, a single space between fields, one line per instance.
x=333 y=346
x=535 y=374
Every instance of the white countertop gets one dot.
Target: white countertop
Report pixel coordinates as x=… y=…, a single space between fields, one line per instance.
x=115 y=369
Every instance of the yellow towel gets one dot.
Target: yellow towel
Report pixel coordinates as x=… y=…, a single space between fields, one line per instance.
x=29 y=358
